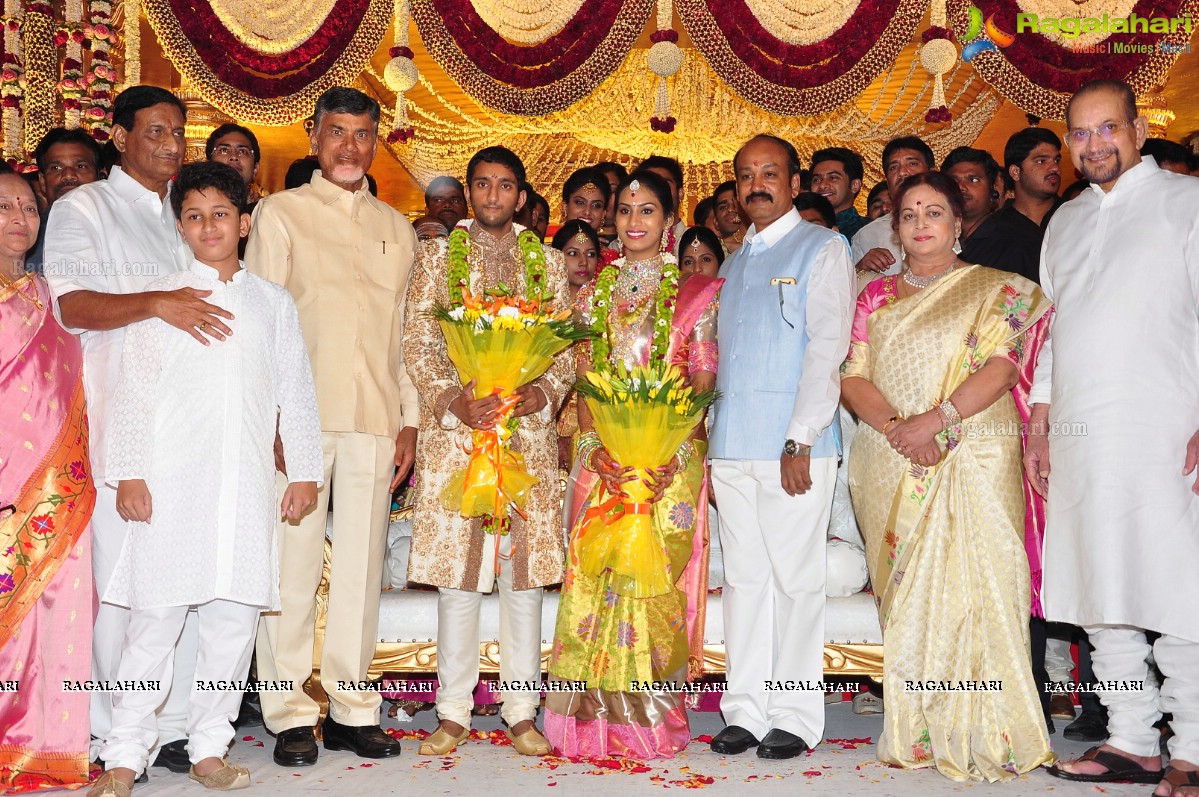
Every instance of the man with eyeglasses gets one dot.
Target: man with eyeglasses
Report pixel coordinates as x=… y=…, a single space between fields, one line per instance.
x=1117 y=379
x=237 y=146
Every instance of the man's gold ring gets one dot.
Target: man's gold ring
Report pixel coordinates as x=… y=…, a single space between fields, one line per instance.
x=202 y=325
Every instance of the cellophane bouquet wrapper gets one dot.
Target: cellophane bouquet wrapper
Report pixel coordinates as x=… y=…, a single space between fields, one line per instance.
x=501 y=343
x=642 y=416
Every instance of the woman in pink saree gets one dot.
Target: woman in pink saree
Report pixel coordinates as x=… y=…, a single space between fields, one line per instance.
x=46 y=499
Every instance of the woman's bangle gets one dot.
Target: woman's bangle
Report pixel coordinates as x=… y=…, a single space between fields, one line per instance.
x=588 y=445
x=891 y=420
x=950 y=413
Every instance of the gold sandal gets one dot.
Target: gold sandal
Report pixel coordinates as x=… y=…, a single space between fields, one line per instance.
x=108 y=786
x=531 y=742
x=442 y=743
x=227 y=778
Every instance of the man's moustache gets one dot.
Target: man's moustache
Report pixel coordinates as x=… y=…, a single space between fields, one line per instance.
x=759 y=195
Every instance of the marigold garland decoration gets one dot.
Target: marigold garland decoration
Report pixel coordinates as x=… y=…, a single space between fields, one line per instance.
x=530 y=79
x=41 y=75
x=267 y=88
x=133 y=42
x=1039 y=72
x=12 y=80
x=799 y=79
x=71 y=85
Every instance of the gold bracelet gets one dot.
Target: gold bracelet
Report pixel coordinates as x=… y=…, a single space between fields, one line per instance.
x=891 y=420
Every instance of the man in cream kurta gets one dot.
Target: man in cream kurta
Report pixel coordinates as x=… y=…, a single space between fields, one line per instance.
x=345 y=258
x=1117 y=380
x=454 y=553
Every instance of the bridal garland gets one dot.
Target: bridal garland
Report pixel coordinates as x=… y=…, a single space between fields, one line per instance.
x=668 y=293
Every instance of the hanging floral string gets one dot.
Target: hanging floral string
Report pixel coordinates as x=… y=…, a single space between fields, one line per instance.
x=133 y=42
x=401 y=75
x=938 y=56
x=71 y=87
x=12 y=81
x=101 y=79
x=665 y=58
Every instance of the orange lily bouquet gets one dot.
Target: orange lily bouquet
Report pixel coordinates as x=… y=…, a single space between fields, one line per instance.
x=643 y=416
x=501 y=342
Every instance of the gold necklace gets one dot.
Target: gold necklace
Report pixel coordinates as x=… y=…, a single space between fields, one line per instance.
x=33 y=298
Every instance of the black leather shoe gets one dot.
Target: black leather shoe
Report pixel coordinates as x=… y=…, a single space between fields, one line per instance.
x=733 y=740
x=780 y=744
x=250 y=712
x=296 y=747
x=1091 y=726
x=173 y=756
x=367 y=741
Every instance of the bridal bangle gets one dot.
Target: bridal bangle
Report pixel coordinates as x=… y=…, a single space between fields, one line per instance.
x=589 y=443
x=887 y=425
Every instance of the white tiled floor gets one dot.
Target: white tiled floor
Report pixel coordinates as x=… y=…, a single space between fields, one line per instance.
x=836 y=767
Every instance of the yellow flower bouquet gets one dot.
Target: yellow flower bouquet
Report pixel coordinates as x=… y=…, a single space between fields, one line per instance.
x=643 y=416
x=501 y=342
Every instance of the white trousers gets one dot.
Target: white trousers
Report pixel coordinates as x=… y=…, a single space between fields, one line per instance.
x=773 y=599
x=1059 y=664
x=358 y=469
x=458 y=647
x=1121 y=654
x=226 y=641
x=108 y=636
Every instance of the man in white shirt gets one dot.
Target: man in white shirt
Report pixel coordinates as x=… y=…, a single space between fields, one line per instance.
x=1116 y=378
x=105 y=242
x=785 y=315
x=876 y=248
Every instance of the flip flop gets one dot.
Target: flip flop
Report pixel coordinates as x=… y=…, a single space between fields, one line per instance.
x=1119 y=768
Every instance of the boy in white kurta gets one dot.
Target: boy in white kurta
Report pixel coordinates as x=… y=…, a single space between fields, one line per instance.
x=191 y=455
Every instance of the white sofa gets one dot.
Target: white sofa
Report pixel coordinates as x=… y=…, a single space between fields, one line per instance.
x=408 y=624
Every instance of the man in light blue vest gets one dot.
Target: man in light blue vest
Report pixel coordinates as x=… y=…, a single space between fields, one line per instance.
x=785 y=315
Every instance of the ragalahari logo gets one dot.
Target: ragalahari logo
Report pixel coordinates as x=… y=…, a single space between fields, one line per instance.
x=982 y=36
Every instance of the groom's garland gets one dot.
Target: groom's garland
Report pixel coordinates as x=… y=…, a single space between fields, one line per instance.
x=532 y=255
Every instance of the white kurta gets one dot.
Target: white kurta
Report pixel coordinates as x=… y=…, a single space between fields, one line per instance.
x=1122 y=526
x=197 y=423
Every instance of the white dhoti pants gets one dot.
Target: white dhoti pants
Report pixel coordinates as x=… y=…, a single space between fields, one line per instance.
x=773 y=615
x=1059 y=664
x=1121 y=654
x=458 y=648
x=108 y=636
x=226 y=641
x=358 y=469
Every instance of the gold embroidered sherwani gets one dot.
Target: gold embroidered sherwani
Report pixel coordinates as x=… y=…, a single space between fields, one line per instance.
x=448 y=550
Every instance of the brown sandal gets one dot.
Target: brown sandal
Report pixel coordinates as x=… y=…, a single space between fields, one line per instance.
x=1181 y=778
x=1119 y=768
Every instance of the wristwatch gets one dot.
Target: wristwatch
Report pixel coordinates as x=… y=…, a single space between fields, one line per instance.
x=794 y=449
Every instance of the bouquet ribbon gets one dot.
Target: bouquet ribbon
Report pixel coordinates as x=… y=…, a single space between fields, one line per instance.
x=494 y=478
x=617 y=535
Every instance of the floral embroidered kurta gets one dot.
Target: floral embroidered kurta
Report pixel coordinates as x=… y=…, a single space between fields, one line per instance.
x=197 y=423
x=449 y=550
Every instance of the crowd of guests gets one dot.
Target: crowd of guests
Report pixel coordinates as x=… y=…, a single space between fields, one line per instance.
x=191 y=369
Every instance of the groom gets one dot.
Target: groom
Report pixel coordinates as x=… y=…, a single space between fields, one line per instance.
x=464 y=557
x=783 y=331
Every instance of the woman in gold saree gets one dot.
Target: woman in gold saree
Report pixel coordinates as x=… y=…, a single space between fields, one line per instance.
x=936 y=480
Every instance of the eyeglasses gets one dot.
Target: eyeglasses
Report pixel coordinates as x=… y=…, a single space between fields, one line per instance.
x=1106 y=132
x=225 y=150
